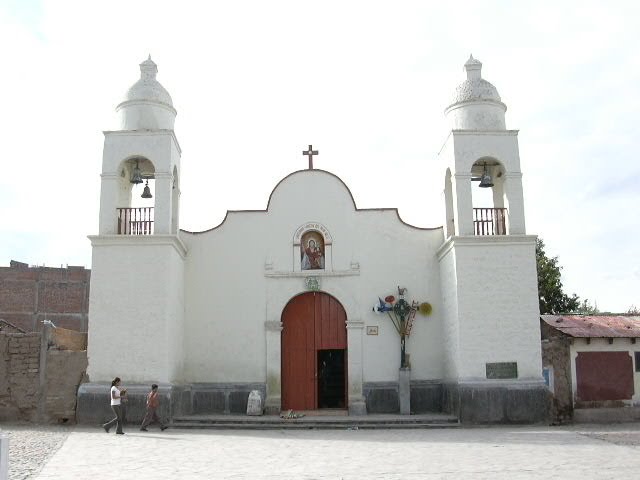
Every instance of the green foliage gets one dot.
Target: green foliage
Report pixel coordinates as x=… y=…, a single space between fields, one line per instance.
x=633 y=310
x=552 y=299
x=586 y=308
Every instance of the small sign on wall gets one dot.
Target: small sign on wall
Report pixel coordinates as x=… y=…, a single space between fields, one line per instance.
x=502 y=370
x=372 y=329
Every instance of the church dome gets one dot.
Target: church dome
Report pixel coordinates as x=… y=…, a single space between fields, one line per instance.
x=147 y=105
x=475 y=89
x=148 y=88
x=476 y=103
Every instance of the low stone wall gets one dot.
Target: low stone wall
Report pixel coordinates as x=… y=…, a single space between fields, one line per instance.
x=497 y=403
x=64 y=371
x=555 y=355
x=19 y=376
x=175 y=400
x=384 y=397
x=38 y=378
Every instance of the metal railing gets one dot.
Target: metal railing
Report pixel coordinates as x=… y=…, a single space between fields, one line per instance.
x=490 y=221
x=135 y=221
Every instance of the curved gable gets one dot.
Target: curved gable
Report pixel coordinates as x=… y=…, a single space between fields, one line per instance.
x=305 y=184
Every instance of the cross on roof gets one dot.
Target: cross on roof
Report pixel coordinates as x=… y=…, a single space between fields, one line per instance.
x=310 y=153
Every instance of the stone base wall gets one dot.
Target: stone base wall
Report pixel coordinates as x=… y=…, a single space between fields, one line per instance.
x=383 y=397
x=94 y=406
x=497 y=404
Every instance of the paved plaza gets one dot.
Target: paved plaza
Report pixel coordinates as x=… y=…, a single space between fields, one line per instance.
x=580 y=452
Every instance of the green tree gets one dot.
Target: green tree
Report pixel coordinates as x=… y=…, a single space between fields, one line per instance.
x=586 y=308
x=552 y=299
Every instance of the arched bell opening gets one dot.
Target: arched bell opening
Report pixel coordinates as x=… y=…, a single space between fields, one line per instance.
x=487 y=192
x=136 y=202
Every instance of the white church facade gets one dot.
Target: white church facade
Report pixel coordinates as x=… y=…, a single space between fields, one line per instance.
x=213 y=315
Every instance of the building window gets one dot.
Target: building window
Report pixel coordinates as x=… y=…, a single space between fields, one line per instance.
x=637 y=359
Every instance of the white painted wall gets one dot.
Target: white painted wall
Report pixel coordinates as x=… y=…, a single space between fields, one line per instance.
x=497 y=305
x=230 y=294
x=135 y=309
x=477 y=115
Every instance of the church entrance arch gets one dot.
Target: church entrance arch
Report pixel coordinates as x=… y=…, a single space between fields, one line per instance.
x=314 y=353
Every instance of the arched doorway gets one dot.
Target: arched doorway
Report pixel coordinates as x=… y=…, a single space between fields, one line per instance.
x=314 y=353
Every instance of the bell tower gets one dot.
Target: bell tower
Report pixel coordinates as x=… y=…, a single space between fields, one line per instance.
x=487 y=264
x=144 y=149
x=137 y=285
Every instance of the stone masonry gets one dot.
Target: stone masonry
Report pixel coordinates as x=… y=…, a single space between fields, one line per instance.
x=19 y=375
x=555 y=354
x=29 y=295
x=39 y=377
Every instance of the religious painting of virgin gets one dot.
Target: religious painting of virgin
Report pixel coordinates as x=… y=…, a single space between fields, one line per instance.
x=312 y=251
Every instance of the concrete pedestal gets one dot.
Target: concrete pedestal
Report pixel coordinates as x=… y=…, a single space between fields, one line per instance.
x=357 y=405
x=404 y=391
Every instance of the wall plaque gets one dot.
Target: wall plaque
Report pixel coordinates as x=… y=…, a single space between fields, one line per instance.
x=372 y=329
x=312 y=283
x=501 y=370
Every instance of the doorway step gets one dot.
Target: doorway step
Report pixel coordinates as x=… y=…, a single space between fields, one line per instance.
x=335 y=422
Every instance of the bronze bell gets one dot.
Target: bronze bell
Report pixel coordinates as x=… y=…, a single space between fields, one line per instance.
x=485 y=180
x=146 y=193
x=136 y=176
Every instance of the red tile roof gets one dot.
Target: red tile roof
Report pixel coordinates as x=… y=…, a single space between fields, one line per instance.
x=595 y=326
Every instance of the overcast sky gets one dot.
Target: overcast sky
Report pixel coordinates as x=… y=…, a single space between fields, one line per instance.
x=365 y=82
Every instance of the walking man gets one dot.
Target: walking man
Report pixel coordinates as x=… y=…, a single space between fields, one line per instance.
x=153 y=402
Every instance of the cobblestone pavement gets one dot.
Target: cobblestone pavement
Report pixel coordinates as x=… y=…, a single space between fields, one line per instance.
x=583 y=452
x=30 y=446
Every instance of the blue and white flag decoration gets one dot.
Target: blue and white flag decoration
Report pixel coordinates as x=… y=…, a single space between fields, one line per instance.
x=382 y=306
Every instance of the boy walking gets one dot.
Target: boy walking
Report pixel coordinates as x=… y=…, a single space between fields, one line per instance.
x=153 y=402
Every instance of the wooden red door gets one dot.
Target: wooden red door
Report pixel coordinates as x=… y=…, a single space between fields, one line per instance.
x=310 y=322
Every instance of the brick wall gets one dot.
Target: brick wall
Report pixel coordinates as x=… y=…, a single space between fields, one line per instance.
x=39 y=379
x=29 y=295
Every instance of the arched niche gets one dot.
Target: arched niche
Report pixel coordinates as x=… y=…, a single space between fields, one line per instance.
x=312 y=248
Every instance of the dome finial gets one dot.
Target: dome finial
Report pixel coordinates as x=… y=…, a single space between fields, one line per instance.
x=148 y=69
x=473 y=68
